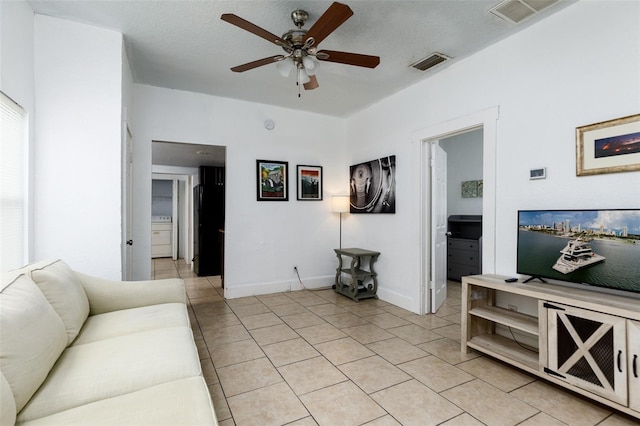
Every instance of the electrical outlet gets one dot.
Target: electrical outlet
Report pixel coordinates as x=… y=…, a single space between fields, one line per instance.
x=512 y=308
x=477 y=294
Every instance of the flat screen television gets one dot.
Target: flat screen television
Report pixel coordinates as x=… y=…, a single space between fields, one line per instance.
x=595 y=248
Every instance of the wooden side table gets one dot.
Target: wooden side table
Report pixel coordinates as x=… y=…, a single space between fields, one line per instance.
x=363 y=284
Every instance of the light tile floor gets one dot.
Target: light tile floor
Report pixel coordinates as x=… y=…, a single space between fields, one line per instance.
x=318 y=358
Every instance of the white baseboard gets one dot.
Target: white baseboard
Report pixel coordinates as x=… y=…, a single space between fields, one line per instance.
x=398 y=300
x=255 y=289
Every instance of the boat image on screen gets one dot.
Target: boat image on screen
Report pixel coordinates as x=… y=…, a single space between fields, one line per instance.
x=598 y=249
x=575 y=255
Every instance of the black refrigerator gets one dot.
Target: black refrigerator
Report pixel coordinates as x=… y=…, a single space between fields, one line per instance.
x=208 y=239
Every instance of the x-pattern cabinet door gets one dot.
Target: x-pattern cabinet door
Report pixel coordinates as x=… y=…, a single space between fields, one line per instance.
x=589 y=350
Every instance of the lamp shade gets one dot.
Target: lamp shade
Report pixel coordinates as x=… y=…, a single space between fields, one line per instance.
x=285 y=66
x=309 y=65
x=303 y=77
x=340 y=204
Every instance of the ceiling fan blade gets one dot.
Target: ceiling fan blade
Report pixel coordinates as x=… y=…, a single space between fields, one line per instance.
x=311 y=84
x=255 y=64
x=331 y=19
x=356 y=59
x=253 y=28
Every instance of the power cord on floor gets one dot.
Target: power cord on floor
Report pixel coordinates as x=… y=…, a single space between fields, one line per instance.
x=295 y=268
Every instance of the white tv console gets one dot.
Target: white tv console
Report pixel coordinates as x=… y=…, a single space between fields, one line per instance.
x=587 y=341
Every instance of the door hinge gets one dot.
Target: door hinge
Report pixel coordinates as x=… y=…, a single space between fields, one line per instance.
x=553 y=373
x=550 y=306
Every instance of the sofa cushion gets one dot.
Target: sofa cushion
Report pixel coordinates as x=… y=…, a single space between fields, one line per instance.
x=112 y=367
x=7 y=403
x=64 y=291
x=33 y=336
x=128 y=321
x=179 y=402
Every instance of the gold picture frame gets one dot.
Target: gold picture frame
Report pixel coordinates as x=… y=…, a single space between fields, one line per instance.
x=608 y=147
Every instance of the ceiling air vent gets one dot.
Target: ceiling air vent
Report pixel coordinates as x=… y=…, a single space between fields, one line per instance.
x=516 y=11
x=430 y=61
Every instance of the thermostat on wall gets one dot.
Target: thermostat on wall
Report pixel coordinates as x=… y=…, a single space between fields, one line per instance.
x=540 y=173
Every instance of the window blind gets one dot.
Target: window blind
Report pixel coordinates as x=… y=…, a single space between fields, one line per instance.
x=12 y=194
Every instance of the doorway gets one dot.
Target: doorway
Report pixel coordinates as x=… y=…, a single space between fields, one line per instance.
x=433 y=259
x=179 y=163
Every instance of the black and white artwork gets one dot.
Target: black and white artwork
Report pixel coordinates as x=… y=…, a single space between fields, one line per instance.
x=373 y=186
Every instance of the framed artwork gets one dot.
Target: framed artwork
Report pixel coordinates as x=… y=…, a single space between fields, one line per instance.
x=272 y=180
x=373 y=186
x=472 y=188
x=309 y=183
x=608 y=147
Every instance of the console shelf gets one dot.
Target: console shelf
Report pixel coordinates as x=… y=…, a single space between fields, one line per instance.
x=570 y=323
x=506 y=350
x=512 y=319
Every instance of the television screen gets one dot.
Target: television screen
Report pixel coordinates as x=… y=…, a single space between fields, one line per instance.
x=593 y=247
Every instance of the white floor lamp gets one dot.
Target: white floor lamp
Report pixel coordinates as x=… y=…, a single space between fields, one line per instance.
x=340 y=204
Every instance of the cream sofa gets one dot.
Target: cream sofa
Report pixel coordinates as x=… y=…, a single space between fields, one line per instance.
x=78 y=350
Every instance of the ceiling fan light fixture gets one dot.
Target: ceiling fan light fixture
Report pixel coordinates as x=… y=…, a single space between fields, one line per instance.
x=300 y=45
x=310 y=65
x=285 y=66
x=303 y=77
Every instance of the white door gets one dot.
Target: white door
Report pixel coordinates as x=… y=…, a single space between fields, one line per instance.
x=438 y=278
x=128 y=208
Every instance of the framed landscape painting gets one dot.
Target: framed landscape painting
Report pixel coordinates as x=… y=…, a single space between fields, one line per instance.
x=309 y=183
x=272 y=180
x=608 y=147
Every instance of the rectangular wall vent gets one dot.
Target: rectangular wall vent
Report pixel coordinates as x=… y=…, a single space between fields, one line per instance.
x=430 y=61
x=516 y=11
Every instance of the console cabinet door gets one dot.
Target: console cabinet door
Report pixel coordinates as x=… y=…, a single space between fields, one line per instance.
x=633 y=343
x=588 y=350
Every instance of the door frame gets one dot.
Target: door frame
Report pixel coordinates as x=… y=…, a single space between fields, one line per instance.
x=182 y=214
x=127 y=198
x=488 y=120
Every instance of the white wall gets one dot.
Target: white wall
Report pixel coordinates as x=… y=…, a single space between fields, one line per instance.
x=77 y=150
x=547 y=80
x=579 y=66
x=264 y=240
x=16 y=78
x=464 y=163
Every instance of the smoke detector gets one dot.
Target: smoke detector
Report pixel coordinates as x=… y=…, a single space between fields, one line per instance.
x=516 y=11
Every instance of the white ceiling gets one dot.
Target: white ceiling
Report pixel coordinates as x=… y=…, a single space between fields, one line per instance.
x=185 y=45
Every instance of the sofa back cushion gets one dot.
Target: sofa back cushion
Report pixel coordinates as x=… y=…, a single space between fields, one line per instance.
x=65 y=293
x=7 y=403
x=33 y=336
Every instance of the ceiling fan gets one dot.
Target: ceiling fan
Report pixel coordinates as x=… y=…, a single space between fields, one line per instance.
x=301 y=46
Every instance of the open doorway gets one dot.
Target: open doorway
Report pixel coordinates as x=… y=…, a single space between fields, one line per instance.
x=434 y=258
x=176 y=172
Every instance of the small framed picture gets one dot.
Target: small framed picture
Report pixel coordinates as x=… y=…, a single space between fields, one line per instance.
x=309 y=183
x=272 y=180
x=608 y=147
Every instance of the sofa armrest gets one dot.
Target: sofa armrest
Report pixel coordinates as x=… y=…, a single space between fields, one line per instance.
x=108 y=295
